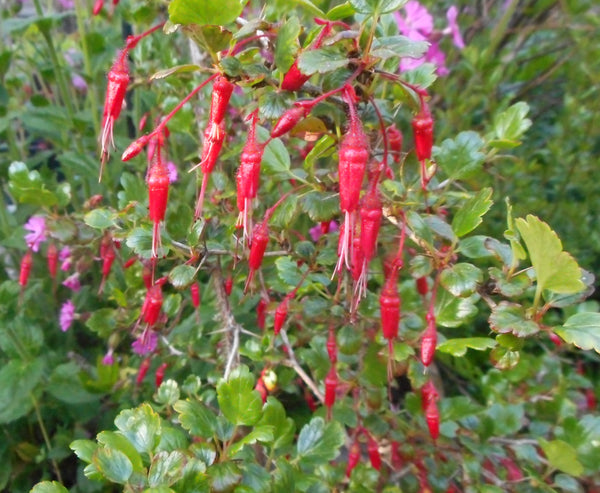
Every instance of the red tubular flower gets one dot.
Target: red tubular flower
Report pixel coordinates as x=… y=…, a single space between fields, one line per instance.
x=26 y=263
x=158 y=194
x=118 y=80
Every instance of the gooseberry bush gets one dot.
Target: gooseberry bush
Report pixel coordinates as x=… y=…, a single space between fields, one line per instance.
x=278 y=283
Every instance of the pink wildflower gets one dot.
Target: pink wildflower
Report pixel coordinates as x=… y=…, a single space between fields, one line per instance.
x=108 y=358
x=453 y=28
x=67 y=315
x=37 y=226
x=173 y=175
x=146 y=342
x=65 y=257
x=79 y=83
x=72 y=282
x=417 y=23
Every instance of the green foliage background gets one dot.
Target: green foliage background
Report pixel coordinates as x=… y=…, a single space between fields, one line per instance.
x=516 y=118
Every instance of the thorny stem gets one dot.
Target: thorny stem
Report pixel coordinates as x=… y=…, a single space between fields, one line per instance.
x=38 y=415
x=159 y=128
x=292 y=362
x=231 y=327
x=421 y=93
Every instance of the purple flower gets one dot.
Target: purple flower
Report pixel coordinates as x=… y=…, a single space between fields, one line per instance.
x=417 y=24
x=72 y=282
x=436 y=56
x=79 y=83
x=146 y=342
x=37 y=226
x=453 y=28
x=66 y=4
x=108 y=358
x=65 y=257
x=173 y=175
x=67 y=315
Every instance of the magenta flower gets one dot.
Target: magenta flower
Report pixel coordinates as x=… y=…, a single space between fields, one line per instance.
x=453 y=28
x=108 y=358
x=67 y=315
x=72 y=282
x=146 y=342
x=65 y=257
x=436 y=56
x=173 y=175
x=79 y=83
x=37 y=226
x=417 y=24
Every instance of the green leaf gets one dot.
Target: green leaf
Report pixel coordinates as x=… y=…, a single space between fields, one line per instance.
x=555 y=270
x=323 y=60
x=507 y=418
x=503 y=358
x=212 y=39
x=141 y=426
x=140 y=241
x=205 y=11
x=458 y=347
x=276 y=158
x=262 y=433
x=511 y=234
x=286 y=44
x=113 y=464
x=283 y=427
x=272 y=105
x=319 y=442
x=224 y=476
x=341 y=11
x=562 y=456
x=102 y=322
x=398 y=46
x=182 y=276
x=510 y=318
x=196 y=418
x=28 y=186
x=324 y=147
x=283 y=477
x=285 y=212
x=166 y=468
x=454 y=312
x=49 y=487
x=84 y=449
x=288 y=270
x=239 y=402
x=18 y=379
x=168 y=393
x=178 y=69
x=582 y=330
x=461 y=279
x=99 y=219
x=460 y=157
x=320 y=206
x=469 y=215
x=376 y=6
x=117 y=441
x=510 y=125
x=66 y=387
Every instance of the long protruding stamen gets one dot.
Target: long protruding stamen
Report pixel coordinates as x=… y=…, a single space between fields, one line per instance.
x=155 y=239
